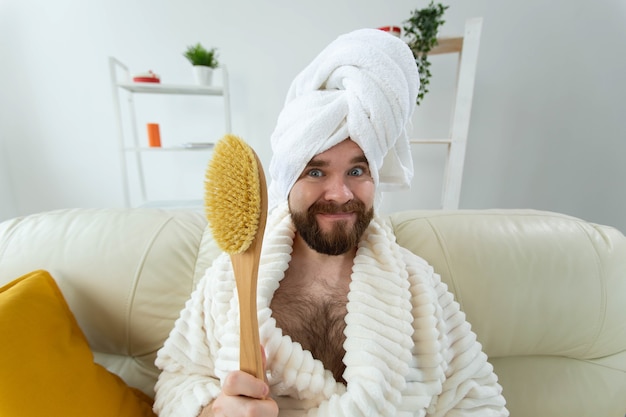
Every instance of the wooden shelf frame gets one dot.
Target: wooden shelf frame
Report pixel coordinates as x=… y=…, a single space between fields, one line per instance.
x=467 y=48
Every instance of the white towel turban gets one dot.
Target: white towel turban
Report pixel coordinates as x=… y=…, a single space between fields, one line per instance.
x=362 y=86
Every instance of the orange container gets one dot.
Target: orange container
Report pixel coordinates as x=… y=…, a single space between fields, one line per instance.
x=154 y=135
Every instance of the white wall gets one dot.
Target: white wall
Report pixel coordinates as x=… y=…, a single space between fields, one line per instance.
x=7 y=201
x=547 y=128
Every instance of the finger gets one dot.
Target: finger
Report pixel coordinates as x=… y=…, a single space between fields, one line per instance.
x=243 y=406
x=264 y=358
x=242 y=383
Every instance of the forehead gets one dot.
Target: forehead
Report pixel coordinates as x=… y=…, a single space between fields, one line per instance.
x=346 y=151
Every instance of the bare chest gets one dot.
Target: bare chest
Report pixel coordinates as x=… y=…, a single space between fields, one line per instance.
x=314 y=317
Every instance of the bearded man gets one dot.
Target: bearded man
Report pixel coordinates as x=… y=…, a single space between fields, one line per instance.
x=351 y=324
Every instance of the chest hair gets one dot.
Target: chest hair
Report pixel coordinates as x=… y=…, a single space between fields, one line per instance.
x=314 y=317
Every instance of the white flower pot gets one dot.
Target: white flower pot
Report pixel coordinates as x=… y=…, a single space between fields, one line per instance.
x=203 y=74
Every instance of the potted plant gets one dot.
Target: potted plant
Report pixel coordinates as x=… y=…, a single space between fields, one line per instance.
x=203 y=61
x=421 y=29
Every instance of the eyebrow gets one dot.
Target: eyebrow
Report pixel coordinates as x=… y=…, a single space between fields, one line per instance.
x=316 y=163
x=359 y=159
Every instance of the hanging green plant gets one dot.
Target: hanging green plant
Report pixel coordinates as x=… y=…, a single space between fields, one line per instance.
x=421 y=33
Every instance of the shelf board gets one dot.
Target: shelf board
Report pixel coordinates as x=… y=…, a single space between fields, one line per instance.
x=447 y=45
x=431 y=141
x=169 y=148
x=158 y=88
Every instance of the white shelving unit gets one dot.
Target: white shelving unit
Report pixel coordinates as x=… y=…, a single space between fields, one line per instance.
x=129 y=143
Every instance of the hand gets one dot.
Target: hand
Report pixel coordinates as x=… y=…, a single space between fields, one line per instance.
x=242 y=395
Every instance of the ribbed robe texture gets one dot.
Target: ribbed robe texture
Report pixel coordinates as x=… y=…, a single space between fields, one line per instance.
x=409 y=349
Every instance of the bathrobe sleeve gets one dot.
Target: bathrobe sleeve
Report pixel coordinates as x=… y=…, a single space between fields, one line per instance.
x=187 y=382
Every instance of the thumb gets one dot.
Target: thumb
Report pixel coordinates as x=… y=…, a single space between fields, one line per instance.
x=264 y=358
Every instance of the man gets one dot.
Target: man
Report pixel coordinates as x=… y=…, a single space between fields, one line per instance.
x=350 y=323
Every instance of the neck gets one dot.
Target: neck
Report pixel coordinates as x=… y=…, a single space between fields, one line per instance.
x=333 y=267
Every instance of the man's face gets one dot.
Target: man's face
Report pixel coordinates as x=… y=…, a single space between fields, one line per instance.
x=331 y=203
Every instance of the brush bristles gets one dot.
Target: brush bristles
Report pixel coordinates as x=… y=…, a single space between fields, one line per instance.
x=232 y=194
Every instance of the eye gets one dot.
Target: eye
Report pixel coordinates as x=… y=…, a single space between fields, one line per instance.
x=315 y=173
x=356 y=172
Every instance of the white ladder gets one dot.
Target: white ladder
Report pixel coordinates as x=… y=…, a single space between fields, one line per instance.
x=467 y=48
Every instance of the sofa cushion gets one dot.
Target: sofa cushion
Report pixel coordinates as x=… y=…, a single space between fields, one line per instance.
x=46 y=365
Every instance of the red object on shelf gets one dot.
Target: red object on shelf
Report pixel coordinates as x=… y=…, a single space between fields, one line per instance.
x=394 y=30
x=146 y=80
x=147 y=77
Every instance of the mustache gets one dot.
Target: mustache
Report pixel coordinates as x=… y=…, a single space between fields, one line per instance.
x=327 y=207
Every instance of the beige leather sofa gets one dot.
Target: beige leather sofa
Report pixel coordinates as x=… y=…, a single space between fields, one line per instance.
x=545 y=293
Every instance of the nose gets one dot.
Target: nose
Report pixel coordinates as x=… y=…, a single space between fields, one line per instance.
x=337 y=190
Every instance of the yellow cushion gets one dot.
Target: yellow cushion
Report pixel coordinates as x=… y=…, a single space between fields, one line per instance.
x=46 y=365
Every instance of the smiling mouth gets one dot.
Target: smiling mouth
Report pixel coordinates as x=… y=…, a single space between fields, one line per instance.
x=338 y=216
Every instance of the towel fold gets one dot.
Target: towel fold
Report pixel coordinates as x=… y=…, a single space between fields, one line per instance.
x=362 y=86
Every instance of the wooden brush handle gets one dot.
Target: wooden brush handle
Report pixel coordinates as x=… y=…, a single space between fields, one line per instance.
x=246 y=269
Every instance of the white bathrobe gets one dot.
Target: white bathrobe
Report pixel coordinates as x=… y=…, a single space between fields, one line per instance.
x=409 y=349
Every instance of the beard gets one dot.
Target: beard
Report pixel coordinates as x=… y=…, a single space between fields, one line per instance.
x=341 y=238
